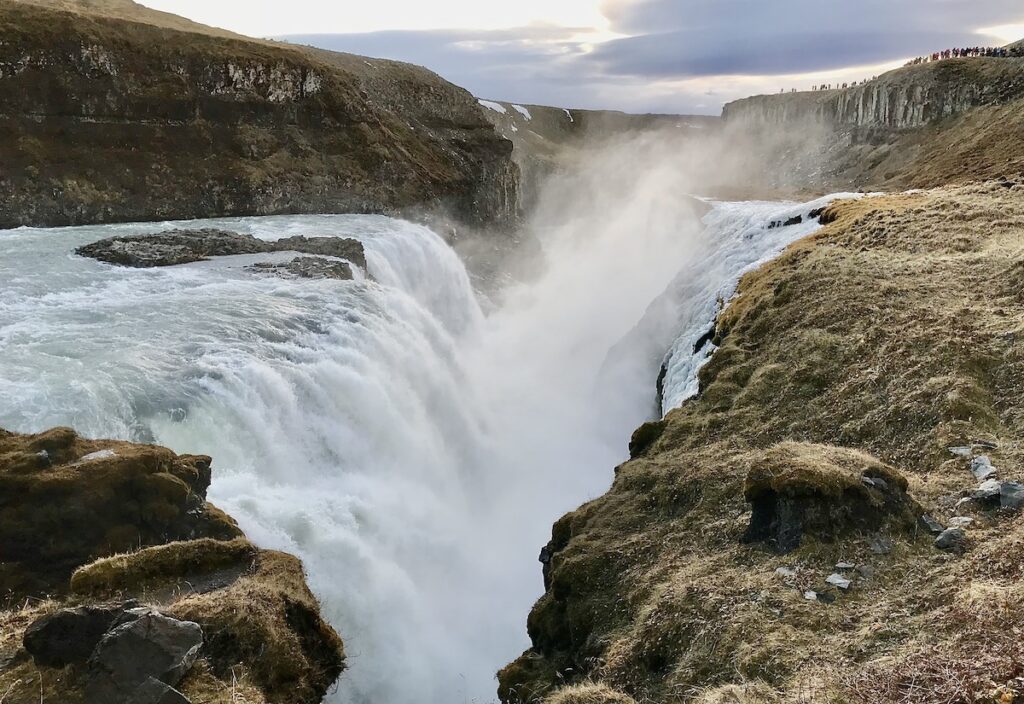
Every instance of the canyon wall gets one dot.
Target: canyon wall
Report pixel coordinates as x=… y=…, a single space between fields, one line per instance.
x=104 y=119
x=906 y=98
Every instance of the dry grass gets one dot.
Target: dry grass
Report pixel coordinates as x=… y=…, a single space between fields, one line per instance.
x=882 y=341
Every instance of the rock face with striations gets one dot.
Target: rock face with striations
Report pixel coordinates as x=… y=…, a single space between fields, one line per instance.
x=137 y=115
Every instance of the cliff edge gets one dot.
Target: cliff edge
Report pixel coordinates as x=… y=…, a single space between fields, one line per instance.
x=121 y=583
x=113 y=112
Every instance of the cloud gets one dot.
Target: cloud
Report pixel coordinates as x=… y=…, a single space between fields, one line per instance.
x=684 y=55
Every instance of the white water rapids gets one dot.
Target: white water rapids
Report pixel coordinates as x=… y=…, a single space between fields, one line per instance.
x=410 y=450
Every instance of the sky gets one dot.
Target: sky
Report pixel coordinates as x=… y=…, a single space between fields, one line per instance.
x=673 y=56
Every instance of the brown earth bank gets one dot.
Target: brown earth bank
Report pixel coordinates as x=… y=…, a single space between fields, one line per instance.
x=119 y=582
x=112 y=112
x=836 y=517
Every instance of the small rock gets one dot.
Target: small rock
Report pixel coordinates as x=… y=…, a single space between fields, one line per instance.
x=982 y=469
x=960 y=522
x=880 y=545
x=964 y=452
x=152 y=646
x=988 y=490
x=838 y=580
x=931 y=524
x=951 y=539
x=866 y=571
x=785 y=572
x=811 y=595
x=845 y=566
x=1011 y=496
x=101 y=455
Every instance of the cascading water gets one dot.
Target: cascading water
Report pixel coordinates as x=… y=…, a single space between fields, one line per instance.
x=411 y=451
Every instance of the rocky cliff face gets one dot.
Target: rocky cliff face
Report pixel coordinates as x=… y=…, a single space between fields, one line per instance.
x=104 y=119
x=910 y=97
x=98 y=534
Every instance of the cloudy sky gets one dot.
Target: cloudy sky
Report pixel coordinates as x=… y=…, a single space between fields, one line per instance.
x=681 y=56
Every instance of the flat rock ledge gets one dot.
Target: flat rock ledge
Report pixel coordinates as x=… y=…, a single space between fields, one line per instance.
x=186 y=246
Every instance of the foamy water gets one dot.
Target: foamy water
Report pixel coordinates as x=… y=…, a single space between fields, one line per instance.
x=411 y=451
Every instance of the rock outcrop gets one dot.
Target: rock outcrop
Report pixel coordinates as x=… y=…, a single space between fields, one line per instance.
x=155 y=596
x=185 y=246
x=111 y=112
x=905 y=98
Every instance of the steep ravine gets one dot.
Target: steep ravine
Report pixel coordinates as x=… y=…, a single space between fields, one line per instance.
x=767 y=540
x=109 y=120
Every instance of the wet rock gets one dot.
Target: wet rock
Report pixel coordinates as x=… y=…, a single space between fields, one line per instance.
x=838 y=580
x=171 y=248
x=932 y=525
x=150 y=647
x=340 y=247
x=799 y=489
x=982 y=469
x=795 y=220
x=815 y=214
x=308 y=268
x=951 y=539
x=186 y=246
x=1011 y=496
x=70 y=635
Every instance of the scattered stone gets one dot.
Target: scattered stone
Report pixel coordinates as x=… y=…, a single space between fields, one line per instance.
x=982 y=469
x=151 y=646
x=1011 y=496
x=951 y=539
x=932 y=525
x=845 y=566
x=785 y=572
x=838 y=580
x=810 y=595
x=964 y=452
x=70 y=635
x=960 y=522
x=880 y=545
x=988 y=491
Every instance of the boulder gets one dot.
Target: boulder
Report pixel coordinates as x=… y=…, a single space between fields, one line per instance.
x=341 y=247
x=988 y=491
x=171 y=248
x=932 y=525
x=70 y=635
x=982 y=469
x=1011 y=496
x=150 y=646
x=153 y=691
x=800 y=489
x=951 y=539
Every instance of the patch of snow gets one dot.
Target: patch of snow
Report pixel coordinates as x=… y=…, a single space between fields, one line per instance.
x=569 y=115
x=496 y=107
x=522 y=111
x=514 y=128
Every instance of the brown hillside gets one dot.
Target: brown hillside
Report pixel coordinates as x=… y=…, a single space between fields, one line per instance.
x=847 y=369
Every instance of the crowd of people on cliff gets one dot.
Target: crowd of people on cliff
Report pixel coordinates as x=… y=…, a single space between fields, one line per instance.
x=993 y=52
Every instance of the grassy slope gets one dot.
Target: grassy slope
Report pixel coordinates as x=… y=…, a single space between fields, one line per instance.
x=893 y=332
